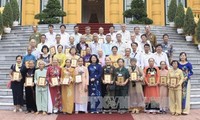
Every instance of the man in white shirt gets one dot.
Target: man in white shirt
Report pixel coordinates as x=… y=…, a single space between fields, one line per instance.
x=102 y=37
x=127 y=57
x=133 y=39
x=145 y=41
x=58 y=38
x=137 y=34
x=50 y=36
x=107 y=46
x=120 y=44
x=137 y=54
x=112 y=34
x=95 y=45
x=146 y=55
x=64 y=35
x=42 y=43
x=125 y=33
x=71 y=43
x=160 y=56
x=76 y=34
x=35 y=51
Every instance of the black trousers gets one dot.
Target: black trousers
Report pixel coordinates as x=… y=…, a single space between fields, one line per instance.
x=121 y=97
x=30 y=99
x=17 y=91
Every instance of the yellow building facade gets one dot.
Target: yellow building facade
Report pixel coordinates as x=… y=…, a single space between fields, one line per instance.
x=101 y=11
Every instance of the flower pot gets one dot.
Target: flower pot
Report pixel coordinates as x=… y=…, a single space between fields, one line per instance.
x=0 y=37
x=7 y=30
x=180 y=30
x=15 y=23
x=188 y=38
x=171 y=24
x=198 y=46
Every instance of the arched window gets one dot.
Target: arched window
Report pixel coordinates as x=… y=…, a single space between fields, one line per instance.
x=167 y=2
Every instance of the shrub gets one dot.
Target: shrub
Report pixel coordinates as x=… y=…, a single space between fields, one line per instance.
x=52 y=13
x=189 y=24
x=198 y=31
x=180 y=15
x=172 y=10
x=7 y=15
x=15 y=8
x=1 y=24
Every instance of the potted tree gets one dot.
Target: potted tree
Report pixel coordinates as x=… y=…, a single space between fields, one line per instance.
x=197 y=33
x=179 y=19
x=189 y=25
x=15 y=9
x=52 y=13
x=7 y=18
x=1 y=25
x=172 y=12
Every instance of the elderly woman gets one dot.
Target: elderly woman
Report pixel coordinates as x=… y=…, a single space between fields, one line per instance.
x=30 y=90
x=135 y=87
x=41 y=91
x=67 y=90
x=81 y=89
x=108 y=89
x=61 y=57
x=54 y=71
x=122 y=83
x=101 y=57
x=82 y=45
x=151 y=90
x=17 y=85
x=175 y=91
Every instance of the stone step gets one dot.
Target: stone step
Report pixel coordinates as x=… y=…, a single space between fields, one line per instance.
x=5 y=92
x=195 y=98
x=6 y=106
x=195 y=105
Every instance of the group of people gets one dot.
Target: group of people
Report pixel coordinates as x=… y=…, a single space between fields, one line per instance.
x=96 y=73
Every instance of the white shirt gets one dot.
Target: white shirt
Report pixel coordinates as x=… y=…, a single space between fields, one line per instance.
x=113 y=37
x=160 y=57
x=146 y=57
x=50 y=38
x=76 y=37
x=121 y=47
x=95 y=47
x=138 y=56
x=126 y=36
x=64 y=38
x=40 y=45
x=138 y=37
x=36 y=53
x=142 y=45
x=102 y=38
x=138 y=48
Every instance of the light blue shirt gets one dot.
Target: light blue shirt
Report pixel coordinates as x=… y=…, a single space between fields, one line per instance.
x=107 y=48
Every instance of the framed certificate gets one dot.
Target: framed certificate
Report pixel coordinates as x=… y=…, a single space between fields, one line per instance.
x=83 y=53
x=163 y=80
x=107 y=78
x=120 y=79
x=133 y=76
x=173 y=81
x=78 y=79
x=16 y=76
x=67 y=51
x=29 y=81
x=65 y=81
x=54 y=81
x=42 y=81
x=115 y=64
x=74 y=63
x=152 y=81
x=27 y=64
x=87 y=64
x=52 y=50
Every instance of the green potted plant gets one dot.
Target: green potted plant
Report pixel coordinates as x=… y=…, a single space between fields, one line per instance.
x=7 y=18
x=179 y=19
x=15 y=9
x=52 y=13
x=189 y=25
x=197 y=33
x=1 y=25
x=172 y=12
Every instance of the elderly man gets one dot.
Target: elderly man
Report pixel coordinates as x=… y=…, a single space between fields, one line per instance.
x=137 y=54
x=82 y=45
x=76 y=34
x=167 y=47
x=88 y=35
x=71 y=42
x=28 y=57
x=125 y=33
x=64 y=35
x=107 y=46
x=127 y=58
x=95 y=45
x=112 y=34
x=36 y=35
x=137 y=34
x=120 y=44
x=42 y=43
x=101 y=36
x=150 y=36
x=35 y=51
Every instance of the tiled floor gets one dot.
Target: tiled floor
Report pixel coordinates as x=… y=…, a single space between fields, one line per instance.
x=9 y=115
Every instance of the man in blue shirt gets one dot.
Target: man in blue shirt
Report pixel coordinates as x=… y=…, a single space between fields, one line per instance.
x=107 y=46
x=28 y=57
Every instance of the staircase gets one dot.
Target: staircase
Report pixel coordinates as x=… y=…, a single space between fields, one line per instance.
x=94 y=27
x=16 y=42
